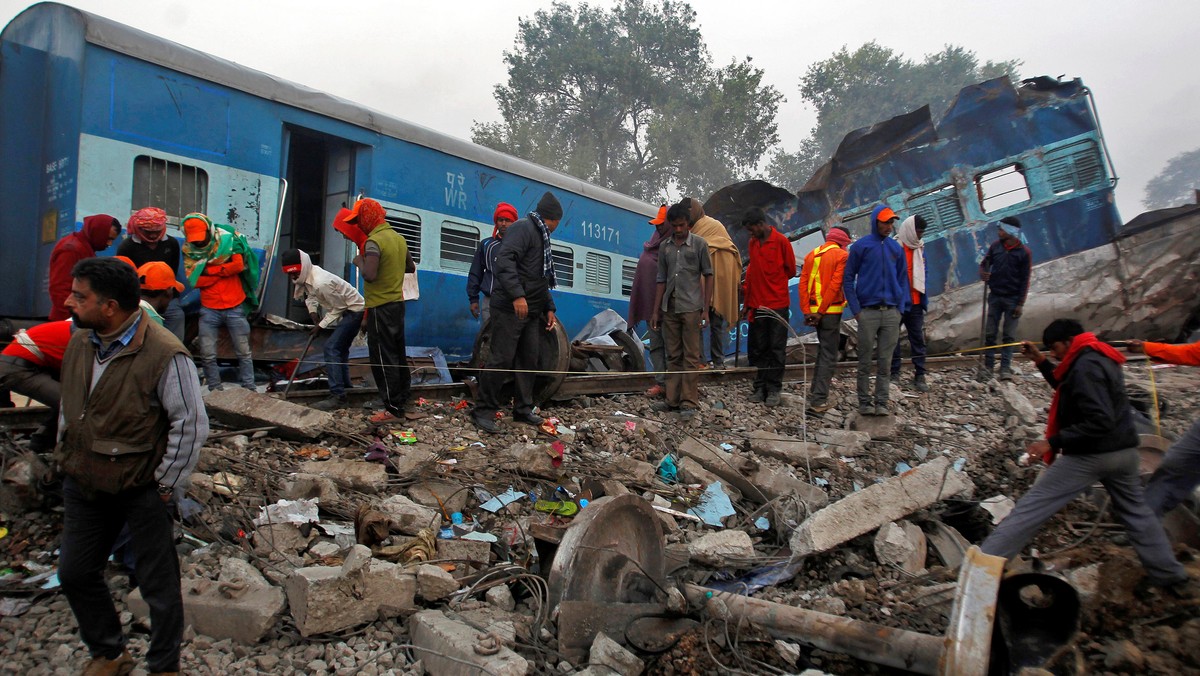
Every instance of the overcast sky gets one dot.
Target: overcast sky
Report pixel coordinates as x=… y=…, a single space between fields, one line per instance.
x=435 y=63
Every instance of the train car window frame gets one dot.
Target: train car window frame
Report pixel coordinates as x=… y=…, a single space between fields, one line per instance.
x=563 y=258
x=597 y=272
x=1075 y=167
x=628 y=271
x=145 y=170
x=1010 y=188
x=940 y=207
x=461 y=234
x=858 y=224
x=408 y=225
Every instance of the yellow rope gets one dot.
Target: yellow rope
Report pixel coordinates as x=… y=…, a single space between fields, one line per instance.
x=1154 y=399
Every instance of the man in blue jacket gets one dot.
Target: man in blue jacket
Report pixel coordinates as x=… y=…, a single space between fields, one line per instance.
x=876 y=288
x=1006 y=269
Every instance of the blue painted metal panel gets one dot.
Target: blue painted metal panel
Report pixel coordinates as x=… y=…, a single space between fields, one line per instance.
x=147 y=104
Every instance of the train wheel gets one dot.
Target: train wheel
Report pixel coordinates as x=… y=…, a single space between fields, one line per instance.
x=555 y=359
x=633 y=352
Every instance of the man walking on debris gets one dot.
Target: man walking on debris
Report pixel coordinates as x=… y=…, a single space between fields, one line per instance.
x=1179 y=474
x=522 y=308
x=822 y=302
x=1090 y=437
x=727 y=277
x=1006 y=269
x=641 y=299
x=383 y=261
x=133 y=424
x=772 y=264
x=876 y=287
x=912 y=229
x=681 y=302
x=343 y=313
x=481 y=279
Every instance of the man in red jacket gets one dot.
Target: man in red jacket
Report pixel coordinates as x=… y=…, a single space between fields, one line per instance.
x=1179 y=473
x=30 y=366
x=97 y=234
x=767 y=308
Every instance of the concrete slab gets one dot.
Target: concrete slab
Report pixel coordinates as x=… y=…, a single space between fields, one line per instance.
x=791 y=450
x=359 y=475
x=530 y=460
x=407 y=516
x=757 y=483
x=848 y=443
x=241 y=408
x=608 y=653
x=878 y=426
x=901 y=543
x=463 y=553
x=325 y=598
x=434 y=634
x=722 y=548
x=429 y=493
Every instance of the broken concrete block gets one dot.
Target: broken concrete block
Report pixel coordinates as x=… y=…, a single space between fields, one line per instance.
x=613 y=488
x=848 y=443
x=284 y=538
x=998 y=506
x=878 y=426
x=501 y=597
x=875 y=505
x=241 y=605
x=368 y=477
x=463 y=553
x=308 y=486
x=1017 y=404
x=530 y=459
x=434 y=584
x=428 y=493
x=322 y=550
x=901 y=544
x=634 y=471
x=434 y=635
x=241 y=408
x=718 y=549
x=725 y=465
x=407 y=516
x=608 y=653
x=779 y=481
x=325 y=598
x=791 y=450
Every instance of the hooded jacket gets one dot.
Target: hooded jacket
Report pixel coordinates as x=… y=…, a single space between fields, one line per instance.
x=320 y=288
x=86 y=243
x=225 y=269
x=876 y=271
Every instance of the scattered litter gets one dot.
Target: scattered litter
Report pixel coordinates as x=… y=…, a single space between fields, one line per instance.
x=227 y=484
x=289 y=511
x=3 y=532
x=312 y=452
x=667 y=471
x=407 y=436
x=630 y=425
x=714 y=505
x=762 y=523
x=821 y=482
x=766 y=576
x=970 y=428
x=481 y=536
x=557 y=507
x=727 y=446
x=902 y=467
x=499 y=502
x=998 y=506
x=556 y=452
x=682 y=515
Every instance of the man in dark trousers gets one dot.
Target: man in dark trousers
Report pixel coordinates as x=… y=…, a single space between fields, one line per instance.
x=681 y=307
x=912 y=229
x=1176 y=478
x=1006 y=269
x=641 y=300
x=522 y=308
x=1090 y=437
x=132 y=425
x=767 y=308
x=481 y=277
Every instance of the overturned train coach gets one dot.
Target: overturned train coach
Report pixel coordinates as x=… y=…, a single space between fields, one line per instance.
x=99 y=117
x=1035 y=152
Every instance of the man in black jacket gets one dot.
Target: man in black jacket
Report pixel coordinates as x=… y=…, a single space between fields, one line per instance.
x=1006 y=269
x=521 y=305
x=1090 y=437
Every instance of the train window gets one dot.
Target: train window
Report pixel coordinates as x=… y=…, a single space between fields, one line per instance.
x=409 y=225
x=598 y=272
x=628 y=269
x=858 y=224
x=1002 y=188
x=458 y=245
x=1074 y=167
x=939 y=207
x=177 y=189
x=564 y=264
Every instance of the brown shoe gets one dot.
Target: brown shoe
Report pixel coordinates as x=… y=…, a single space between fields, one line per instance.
x=102 y=666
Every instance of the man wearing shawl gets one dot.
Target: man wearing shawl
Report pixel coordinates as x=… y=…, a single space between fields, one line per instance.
x=912 y=229
x=97 y=234
x=148 y=241
x=727 y=278
x=1090 y=437
x=641 y=299
x=522 y=308
x=1006 y=269
x=220 y=263
x=822 y=302
x=481 y=279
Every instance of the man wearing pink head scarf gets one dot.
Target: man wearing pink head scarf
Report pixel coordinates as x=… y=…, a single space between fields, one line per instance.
x=147 y=242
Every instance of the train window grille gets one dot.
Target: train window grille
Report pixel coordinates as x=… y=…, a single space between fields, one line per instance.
x=459 y=242
x=178 y=189
x=939 y=207
x=1002 y=188
x=408 y=225
x=597 y=270
x=628 y=270
x=564 y=265
x=1074 y=167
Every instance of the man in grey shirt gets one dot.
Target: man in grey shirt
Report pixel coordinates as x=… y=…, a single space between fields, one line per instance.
x=681 y=302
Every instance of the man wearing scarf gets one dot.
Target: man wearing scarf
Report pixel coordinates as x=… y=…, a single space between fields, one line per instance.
x=641 y=299
x=383 y=262
x=522 y=308
x=220 y=263
x=148 y=241
x=481 y=278
x=1090 y=437
x=912 y=229
x=1006 y=269
x=727 y=278
x=97 y=234
x=822 y=302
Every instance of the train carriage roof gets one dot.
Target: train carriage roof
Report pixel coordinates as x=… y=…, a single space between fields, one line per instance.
x=153 y=49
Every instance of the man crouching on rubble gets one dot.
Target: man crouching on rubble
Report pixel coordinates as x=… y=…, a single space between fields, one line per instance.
x=131 y=430
x=1090 y=437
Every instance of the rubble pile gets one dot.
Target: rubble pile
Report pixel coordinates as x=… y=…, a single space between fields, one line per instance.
x=328 y=545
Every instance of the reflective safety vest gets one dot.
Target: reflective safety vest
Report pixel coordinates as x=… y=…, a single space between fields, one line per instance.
x=815 y=297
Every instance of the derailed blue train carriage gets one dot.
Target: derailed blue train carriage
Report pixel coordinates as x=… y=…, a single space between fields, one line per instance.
x=1035 y=152
x=99 y=117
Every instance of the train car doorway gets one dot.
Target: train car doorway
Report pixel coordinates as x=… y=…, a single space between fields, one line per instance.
x=320 y=173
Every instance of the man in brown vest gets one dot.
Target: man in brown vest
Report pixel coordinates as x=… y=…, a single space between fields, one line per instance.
x=132 y=425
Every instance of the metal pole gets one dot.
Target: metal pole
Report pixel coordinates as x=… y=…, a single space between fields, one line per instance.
x=303 y=354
